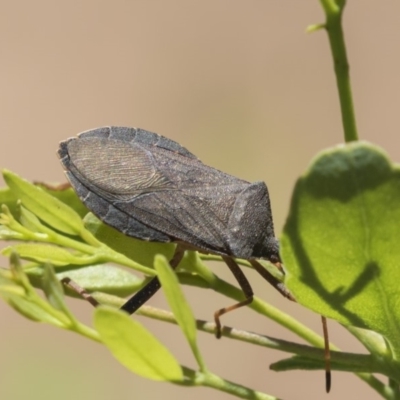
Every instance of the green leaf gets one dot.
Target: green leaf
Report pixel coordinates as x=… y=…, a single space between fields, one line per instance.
x=362 y=363
x=45 y=253
x=46 y=207
x=8 y=286
x=104 y=278
x=372 y=341
x=8 y=198
x=340 y=242
x=53 y=289
x=30 y=220
x=68 y=197
x=31 y=310
x=178 y=304
x=135 y=347
x=20 y=295
x=296 y=363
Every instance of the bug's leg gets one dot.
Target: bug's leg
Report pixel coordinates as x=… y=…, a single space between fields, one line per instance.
x=279 y=286
x=144 y=294
x=328 y=378
x=245 y=286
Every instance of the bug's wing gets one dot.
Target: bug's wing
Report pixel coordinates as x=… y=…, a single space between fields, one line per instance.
x=152 y=183
x=193 y=215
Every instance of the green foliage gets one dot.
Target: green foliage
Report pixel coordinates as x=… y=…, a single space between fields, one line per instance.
x=339 y=241
x=49 y=209
x=338 y=224
x=84 y=259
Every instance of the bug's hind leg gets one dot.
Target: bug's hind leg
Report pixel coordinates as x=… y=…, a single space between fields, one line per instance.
x=245 y=286
x=281 y=288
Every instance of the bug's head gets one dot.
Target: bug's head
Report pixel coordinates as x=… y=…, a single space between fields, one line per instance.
x=270 y=251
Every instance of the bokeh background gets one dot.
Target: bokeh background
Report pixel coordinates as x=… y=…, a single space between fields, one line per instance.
x=241 y=85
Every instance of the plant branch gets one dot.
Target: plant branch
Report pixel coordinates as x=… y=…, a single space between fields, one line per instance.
x=333 y=26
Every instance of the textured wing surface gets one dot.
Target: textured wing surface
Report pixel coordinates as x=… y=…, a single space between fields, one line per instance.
x=153 y=184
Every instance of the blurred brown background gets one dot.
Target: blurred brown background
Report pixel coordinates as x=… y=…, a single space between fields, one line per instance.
x=237 y=82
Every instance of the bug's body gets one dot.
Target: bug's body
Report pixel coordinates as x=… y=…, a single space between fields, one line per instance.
x=151 y=188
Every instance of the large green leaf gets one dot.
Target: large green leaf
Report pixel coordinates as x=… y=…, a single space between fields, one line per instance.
x=135 y=347
x=340 y=244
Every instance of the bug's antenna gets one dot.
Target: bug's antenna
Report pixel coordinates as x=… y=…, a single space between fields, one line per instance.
x=278 y=285
x=328 y=376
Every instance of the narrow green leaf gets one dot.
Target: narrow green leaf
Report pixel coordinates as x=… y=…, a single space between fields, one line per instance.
x=68 y=197
x=9 y=198
x=46 y=253
x=25 y=300
x=8 y=286
x=178 y=304
x=135 y=347
x=176 y=299
x=364 y=364
x=30 y=220
x=32 y=311
x=53 y=289
x=9 y=234
x=340 y=242
x=373 y=341
x=17 y=271
x=10 y=227
x=49 y=209
x=296 y=363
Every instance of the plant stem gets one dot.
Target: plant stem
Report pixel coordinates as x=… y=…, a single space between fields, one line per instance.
x=223 y=385
x=333 y=26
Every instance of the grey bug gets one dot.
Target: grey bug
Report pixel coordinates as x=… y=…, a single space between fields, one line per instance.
x=151 y=188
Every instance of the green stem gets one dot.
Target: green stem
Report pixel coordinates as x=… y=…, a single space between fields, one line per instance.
x=333 y=26
x=87 y=332
x=215 y=382
x=208 y=379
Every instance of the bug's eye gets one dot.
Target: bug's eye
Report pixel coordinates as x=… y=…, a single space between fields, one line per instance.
x=275 y=259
